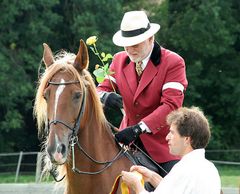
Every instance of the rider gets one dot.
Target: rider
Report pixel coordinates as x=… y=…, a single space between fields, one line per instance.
x=148 y=96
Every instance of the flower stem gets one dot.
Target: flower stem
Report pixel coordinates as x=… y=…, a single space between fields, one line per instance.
x=97 y=53
x=111 y=83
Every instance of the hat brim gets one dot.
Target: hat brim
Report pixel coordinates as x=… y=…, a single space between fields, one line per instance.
x=119 y=40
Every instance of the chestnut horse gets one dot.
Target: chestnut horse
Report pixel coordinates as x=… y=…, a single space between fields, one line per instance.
x=79 y=139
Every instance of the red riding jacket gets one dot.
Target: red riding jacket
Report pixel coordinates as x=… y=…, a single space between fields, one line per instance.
x=159 y=91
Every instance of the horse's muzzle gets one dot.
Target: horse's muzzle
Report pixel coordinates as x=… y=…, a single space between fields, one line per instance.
x=57 y=154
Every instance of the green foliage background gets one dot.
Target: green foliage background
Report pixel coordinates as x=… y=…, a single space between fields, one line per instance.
x=205 y=33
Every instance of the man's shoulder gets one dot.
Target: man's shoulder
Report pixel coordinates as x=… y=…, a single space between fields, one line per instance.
x=169 y=53
x=120 y=57
x=121 y=54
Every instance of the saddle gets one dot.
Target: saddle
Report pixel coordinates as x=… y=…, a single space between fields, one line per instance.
x=139 y=158
x=142 y=159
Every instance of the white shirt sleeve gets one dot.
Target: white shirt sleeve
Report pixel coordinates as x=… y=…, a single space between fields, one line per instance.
x=144 y=127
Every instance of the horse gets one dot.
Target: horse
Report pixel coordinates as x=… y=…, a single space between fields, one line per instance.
x=79 y=139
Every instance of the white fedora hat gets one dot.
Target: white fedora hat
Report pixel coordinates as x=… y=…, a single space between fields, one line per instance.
x=134 y=29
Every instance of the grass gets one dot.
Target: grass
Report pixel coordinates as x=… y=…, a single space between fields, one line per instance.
x=230 y=176
x=23 y=178
x=10 y=178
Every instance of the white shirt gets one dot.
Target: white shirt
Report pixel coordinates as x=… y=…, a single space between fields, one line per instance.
x=193 y=174
x=145 y=60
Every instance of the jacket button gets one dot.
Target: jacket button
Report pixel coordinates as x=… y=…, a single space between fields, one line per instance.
x=137 y=115
x=136 y=103
x=158 y=128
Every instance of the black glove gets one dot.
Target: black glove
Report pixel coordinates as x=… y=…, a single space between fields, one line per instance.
x=128 y=135
x=112 y=100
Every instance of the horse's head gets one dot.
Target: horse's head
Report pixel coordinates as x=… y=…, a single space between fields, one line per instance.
x=60 y=99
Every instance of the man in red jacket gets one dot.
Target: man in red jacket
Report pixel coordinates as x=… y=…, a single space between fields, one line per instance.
x=148 y=92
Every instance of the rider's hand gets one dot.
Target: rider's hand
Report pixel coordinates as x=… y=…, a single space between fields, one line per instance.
x=112 y=100
x=128 y=135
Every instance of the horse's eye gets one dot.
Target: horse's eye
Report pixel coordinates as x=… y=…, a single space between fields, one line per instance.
x=77 y=95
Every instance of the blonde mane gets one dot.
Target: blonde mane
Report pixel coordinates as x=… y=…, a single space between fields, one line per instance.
x=64 y=62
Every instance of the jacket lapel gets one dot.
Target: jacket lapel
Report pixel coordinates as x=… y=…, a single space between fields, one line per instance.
x=147 y=76
x=130 y=77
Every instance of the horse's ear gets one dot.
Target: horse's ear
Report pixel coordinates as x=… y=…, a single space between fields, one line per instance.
x=82 y=59
x=47 y=55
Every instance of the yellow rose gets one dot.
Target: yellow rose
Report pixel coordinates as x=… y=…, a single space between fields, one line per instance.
x=97 y=66
x=91 y=40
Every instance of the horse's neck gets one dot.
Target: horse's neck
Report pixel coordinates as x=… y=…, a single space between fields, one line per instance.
x=99 y=140
x=99 y=143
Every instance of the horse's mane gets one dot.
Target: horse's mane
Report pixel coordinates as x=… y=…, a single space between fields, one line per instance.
x=64 y=62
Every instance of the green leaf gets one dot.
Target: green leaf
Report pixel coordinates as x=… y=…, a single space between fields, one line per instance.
x=99 y=79
x=105 y=67
x=107 y=57
x=104 y=59
x=103 y=54
x=99 y=72
x=110 y=72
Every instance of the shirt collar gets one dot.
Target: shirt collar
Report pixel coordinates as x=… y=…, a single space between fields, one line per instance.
x=145 y=60
x=197 y=153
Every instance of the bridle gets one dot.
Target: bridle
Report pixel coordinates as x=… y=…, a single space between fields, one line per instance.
x=76 y=126
x=74 y=138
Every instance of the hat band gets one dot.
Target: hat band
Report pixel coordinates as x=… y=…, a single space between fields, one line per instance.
x=136 y=32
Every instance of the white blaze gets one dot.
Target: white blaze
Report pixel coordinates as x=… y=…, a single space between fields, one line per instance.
x=57 y=96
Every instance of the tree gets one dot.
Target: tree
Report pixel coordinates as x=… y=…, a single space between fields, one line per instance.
x=23 y=27
x=206 y=34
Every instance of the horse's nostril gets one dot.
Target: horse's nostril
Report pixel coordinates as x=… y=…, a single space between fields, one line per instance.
x=61 y=149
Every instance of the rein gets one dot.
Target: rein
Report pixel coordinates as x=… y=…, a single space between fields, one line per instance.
x=74 y=138
x=145 y=154
x=107 y=164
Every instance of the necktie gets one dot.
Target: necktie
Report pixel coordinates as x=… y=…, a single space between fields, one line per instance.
x=138 y=68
